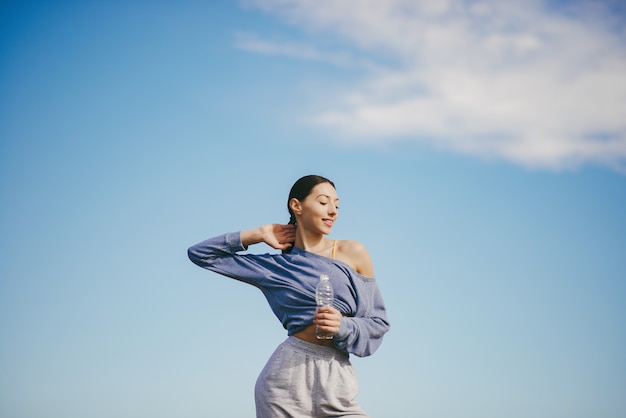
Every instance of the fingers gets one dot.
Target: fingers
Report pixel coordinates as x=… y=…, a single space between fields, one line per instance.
x=328 y=309
x=279 y=228
x=327 y=319
x=279 y=236
x=284 y=232
x=289 y=231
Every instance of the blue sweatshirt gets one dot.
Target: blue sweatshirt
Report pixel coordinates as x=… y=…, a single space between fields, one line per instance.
x=288 y=282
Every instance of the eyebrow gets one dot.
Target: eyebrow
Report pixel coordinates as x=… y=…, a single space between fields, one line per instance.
x=325 y=195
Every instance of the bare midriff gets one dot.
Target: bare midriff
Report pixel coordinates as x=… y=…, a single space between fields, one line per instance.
x=308 y=335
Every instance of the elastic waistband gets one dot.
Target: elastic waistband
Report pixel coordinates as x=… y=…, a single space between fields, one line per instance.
x=320 y=351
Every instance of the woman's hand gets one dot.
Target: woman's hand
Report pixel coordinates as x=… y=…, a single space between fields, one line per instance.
x=278 y=236
x=327 y=319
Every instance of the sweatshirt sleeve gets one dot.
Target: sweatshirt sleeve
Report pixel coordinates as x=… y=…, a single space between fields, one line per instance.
x=363 y=335
x=219 y=254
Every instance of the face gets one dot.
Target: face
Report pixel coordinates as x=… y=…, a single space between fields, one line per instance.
x=318 y=212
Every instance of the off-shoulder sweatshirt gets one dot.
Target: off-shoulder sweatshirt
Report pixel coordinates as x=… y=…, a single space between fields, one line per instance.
x=288 y=282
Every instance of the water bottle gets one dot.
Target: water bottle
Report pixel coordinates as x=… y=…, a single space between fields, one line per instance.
x=324 y=296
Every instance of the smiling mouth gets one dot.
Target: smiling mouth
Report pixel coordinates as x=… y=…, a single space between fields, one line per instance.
x=328 y=222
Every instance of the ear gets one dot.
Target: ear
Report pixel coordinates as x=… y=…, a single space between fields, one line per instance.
x=295 y=206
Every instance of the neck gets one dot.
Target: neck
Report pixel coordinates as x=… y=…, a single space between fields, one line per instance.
x=314 y=243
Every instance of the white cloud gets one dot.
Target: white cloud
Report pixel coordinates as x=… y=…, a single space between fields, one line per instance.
x=503 y=79
x=250 y=42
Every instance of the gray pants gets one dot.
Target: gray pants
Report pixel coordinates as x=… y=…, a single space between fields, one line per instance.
x=307 y=380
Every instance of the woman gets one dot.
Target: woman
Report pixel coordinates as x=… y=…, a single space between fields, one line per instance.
x=307 y=376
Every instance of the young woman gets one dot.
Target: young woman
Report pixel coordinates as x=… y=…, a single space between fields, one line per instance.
x=307 y=376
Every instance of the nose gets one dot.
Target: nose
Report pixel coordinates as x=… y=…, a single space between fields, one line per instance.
x=332 y=209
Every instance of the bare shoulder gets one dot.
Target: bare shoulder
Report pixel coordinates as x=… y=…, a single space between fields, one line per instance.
x=356 y=255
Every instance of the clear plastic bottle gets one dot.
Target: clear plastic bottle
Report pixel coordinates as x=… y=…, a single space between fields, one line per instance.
x=324 y=296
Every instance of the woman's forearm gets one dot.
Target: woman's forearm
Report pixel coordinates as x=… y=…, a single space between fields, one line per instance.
x=251 y=236
x=276 y=236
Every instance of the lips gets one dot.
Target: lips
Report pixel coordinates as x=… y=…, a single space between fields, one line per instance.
x=328 y=222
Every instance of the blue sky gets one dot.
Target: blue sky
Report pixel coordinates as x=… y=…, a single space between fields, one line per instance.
x=479 y=152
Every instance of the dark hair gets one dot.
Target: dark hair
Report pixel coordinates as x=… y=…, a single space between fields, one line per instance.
x=302 y=188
